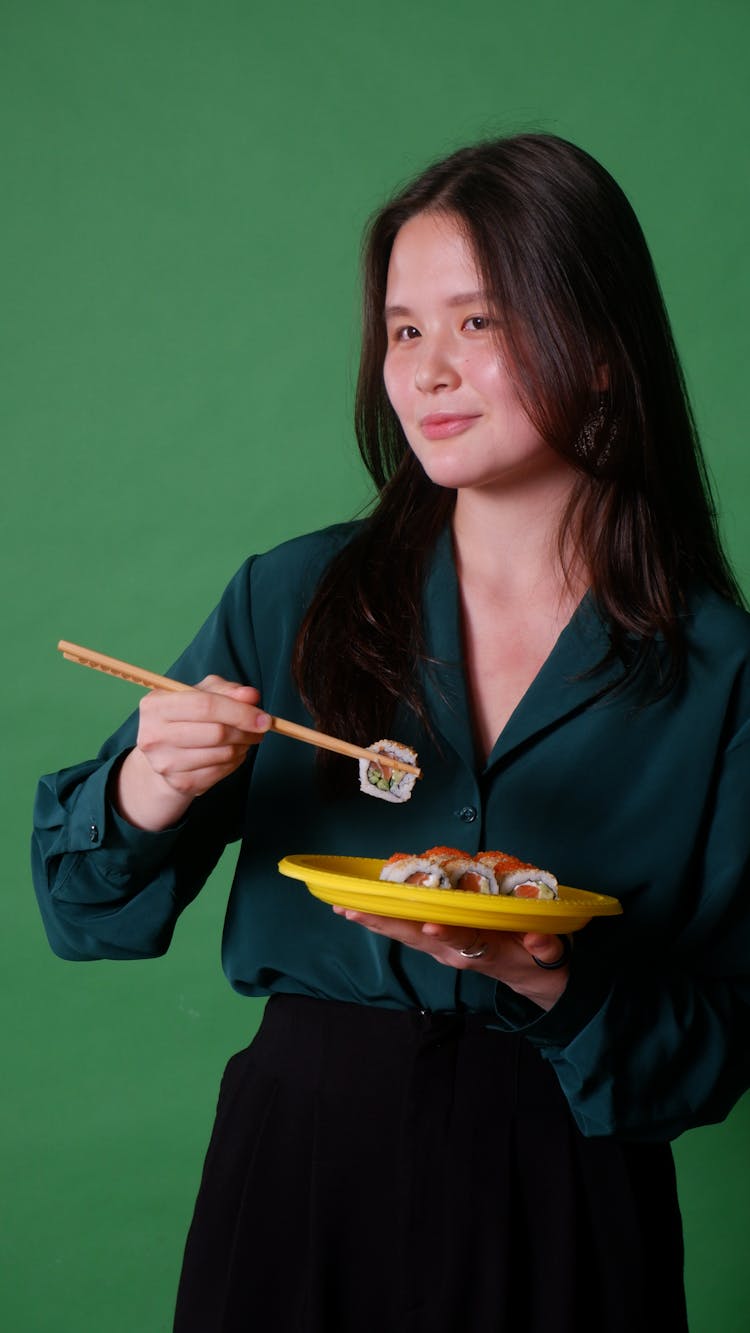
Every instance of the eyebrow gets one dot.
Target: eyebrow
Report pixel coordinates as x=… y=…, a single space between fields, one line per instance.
x=461 y=298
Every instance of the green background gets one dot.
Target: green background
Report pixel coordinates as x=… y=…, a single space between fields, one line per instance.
x=184 y=183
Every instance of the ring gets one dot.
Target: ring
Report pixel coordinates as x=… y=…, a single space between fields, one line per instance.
x=472 y=952
x=562 y=960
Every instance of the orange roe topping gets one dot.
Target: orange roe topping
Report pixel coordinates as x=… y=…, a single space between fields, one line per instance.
x=502 y=863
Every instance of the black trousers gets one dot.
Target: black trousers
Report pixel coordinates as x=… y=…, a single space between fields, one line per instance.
x=373 y=1171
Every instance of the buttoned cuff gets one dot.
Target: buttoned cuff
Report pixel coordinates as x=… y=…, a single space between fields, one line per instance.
x=96 y=826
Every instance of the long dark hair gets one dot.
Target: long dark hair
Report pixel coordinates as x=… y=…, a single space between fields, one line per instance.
x=563 y=257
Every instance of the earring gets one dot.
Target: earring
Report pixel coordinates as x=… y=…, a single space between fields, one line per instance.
x=588 y=441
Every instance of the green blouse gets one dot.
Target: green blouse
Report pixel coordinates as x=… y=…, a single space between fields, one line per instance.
x=647 y=800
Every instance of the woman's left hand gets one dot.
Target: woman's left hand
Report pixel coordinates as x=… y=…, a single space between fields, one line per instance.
x=507 y=956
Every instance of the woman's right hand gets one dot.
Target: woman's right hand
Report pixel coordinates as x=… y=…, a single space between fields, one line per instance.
x=187 y=742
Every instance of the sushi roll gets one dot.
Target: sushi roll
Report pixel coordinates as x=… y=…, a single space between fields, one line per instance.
x=471 y=876
x=519 y=879
x=401 y=868
x=486 y=872
x=441 y=868
x=388 y=784
x=467 y=874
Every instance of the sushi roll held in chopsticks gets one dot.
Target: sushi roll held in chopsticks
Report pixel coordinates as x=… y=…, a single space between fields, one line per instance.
x=376 y=778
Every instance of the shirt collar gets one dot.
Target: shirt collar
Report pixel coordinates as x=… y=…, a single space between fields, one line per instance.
x=568 y=680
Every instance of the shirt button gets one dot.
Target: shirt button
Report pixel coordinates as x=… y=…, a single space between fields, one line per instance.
x=93 y=833
x=467 y=813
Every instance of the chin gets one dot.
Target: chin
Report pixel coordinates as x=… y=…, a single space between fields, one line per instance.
x=456 y=475
x=450 y=472
x=465 y=474
x=450 y=479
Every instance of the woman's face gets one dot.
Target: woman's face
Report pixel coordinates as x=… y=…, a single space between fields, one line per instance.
x=445 y=378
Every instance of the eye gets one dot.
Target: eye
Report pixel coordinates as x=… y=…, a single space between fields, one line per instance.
x=477 y=323
x=405 y=333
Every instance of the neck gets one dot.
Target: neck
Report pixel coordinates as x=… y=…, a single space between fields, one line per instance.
x=507 y=540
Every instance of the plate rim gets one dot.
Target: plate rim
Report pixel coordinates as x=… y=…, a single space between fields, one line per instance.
x=575 y=901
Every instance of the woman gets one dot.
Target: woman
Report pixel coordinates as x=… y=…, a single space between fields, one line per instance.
x=438 y=1128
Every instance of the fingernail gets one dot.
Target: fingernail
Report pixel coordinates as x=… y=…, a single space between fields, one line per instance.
x=262 y=722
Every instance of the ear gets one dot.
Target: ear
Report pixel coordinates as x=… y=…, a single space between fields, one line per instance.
x=602 y=377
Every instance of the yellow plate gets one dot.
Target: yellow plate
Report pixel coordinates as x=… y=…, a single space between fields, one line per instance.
x=352 y=881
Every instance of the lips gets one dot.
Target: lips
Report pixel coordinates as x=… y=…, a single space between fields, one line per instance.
x=442 y=425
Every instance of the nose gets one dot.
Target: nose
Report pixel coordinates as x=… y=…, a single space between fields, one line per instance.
x=436 y=368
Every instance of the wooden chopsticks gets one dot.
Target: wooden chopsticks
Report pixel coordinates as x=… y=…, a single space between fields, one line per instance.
x=151 y=681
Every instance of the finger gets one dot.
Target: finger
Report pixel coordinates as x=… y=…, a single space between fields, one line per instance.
x=548 y=948
x=440 y=941
x=182 y=735
x=451 y=937
x=385 y=925
x=396 y=928
x=242 y=694
x=423 y=934
x=197 y=781
x=168 y=762
x=218 y=685
x=204 y=705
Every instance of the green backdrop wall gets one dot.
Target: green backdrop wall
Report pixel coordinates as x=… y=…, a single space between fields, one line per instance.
x=183 y=187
